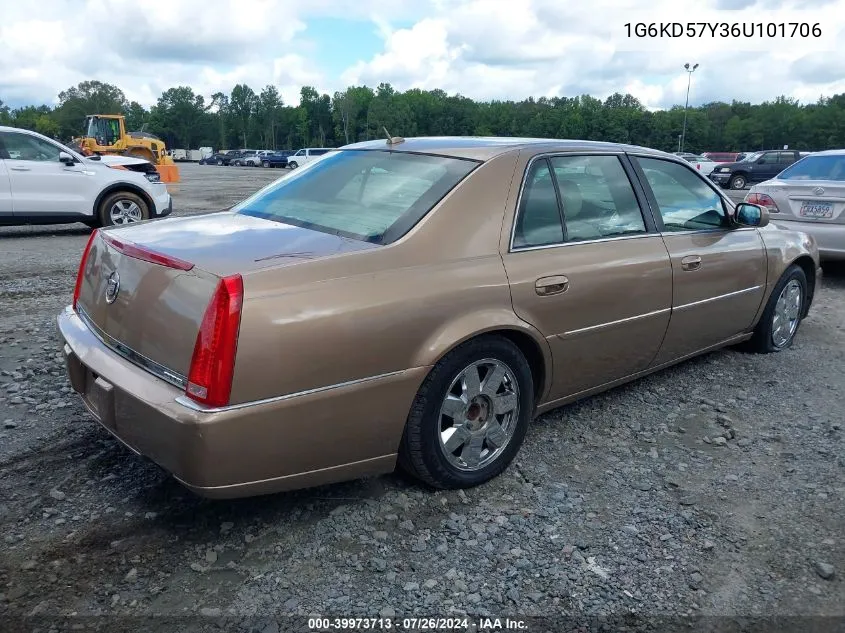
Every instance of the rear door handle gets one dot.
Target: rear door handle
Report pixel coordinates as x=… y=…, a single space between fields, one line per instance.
x=553 y=285
x=691 y=262
x=16 y=168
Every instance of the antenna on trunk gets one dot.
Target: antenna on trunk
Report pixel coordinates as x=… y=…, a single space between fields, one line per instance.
x=392 y=140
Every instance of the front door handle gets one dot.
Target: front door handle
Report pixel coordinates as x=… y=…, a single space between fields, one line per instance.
x=553 y=285
x=18 y=168
x=691 y=262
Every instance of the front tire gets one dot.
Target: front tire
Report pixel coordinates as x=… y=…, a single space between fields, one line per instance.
x=783 y=314
x=737 y=182
x=470 y=415
x=122 y=207
x=219 y=162
x=293 y=165
x=265 y=164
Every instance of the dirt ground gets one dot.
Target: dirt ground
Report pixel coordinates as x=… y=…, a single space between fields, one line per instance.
x=622 y=504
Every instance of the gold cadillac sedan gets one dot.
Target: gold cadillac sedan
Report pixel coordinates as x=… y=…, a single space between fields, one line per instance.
x=416 y=301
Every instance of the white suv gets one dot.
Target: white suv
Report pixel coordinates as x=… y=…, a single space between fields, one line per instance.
x=305 y=155
x=44 y=182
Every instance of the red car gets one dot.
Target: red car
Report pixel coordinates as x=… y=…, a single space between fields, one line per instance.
x=721 y=157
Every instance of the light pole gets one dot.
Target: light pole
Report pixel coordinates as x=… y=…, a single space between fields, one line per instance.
x=690 y=71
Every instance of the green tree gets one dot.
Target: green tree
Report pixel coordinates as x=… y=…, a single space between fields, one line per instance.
x=242 y=106
x=88 y=97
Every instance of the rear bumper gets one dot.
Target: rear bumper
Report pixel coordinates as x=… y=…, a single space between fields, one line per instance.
x=278 y=444
x=830 y=238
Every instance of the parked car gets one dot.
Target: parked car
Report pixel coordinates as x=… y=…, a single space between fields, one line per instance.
x=704 y=165
x=221 y=158
x=809 y=196
x=417 y=301
x=277 y=159
x=44 y=182
x=255 y=160
x=305 y=155
x=722 y=157
x=242 y=157
x=755 y=167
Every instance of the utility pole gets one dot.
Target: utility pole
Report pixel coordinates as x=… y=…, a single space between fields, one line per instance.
x=690 y=71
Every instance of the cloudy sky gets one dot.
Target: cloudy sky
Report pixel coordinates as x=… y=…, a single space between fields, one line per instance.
x=485 y=49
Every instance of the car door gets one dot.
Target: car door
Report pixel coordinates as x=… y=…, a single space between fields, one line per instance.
x=42 y=185
x=718 y=270
x=767 y=166
x=588 y=270
x=5 y=186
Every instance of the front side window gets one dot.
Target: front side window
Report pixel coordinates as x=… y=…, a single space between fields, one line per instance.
x=300 y=153
x=597 y=196
x=374 y=196
x=684 y=200
x=769 y=159
x=25 y=147
x=816 y=168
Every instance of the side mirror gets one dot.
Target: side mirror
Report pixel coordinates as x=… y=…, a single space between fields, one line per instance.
x=66 y=158
x=747 y=214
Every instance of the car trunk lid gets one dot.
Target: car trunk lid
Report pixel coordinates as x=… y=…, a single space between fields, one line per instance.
x=145 y=289
x=809 y=201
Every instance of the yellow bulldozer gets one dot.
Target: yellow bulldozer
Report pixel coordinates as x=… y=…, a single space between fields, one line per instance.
x=106 y=134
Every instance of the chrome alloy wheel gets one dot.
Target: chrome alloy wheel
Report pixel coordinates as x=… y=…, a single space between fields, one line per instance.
x=787 y=313
x=479 y=414
x=125 y=212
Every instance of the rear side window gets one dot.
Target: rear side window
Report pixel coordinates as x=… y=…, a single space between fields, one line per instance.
x=816 y=168
x=374 y=196
x=539 y=221
x=598 y=200
x=684 y=200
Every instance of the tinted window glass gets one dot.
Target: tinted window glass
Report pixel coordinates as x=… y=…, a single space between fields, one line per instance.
x=787 y=158
x=374 y=196
x=685 y=201
x=318 y=152
x=769 y=159
x=816 y=168
x=598 y=200
x=538 y=222
x=26 y=147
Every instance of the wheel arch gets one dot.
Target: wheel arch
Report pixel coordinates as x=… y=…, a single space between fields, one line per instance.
x=530 y=342
x=123 y=186
x=809 y=267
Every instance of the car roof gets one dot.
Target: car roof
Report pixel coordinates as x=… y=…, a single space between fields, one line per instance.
x=827 y=152
x=486 y=147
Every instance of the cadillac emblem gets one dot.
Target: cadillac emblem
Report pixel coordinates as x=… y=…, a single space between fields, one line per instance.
x=112 y=287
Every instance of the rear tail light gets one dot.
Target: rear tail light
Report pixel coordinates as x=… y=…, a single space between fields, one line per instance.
x=81 y=272
x=763 y=200
x=145 y=254
x=213 y=361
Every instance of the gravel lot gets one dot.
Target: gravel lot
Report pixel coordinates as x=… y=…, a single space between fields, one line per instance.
x=626 y=503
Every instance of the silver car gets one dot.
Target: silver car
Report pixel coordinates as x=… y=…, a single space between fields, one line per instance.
x=809 y=196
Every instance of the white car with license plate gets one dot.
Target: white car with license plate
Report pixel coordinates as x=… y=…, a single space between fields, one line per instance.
x=44 y=182
x=702 y=164
x=809 y=196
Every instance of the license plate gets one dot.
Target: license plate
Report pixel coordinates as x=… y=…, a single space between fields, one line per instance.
x=816 y=210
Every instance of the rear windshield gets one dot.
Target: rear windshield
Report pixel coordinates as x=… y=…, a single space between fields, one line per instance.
x=816 y=168
x=370 y=195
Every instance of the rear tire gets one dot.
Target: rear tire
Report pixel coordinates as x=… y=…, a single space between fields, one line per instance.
x=122 y=207
x=219 y=162
x=737 y=182
x=473 y=444
x=783 y=313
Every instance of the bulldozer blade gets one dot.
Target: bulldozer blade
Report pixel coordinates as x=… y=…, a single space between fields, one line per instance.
x=168 y=173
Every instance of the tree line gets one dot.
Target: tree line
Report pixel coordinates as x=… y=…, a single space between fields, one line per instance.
x=246 y=118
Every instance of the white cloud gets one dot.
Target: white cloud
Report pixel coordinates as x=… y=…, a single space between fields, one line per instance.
x=485 y=49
